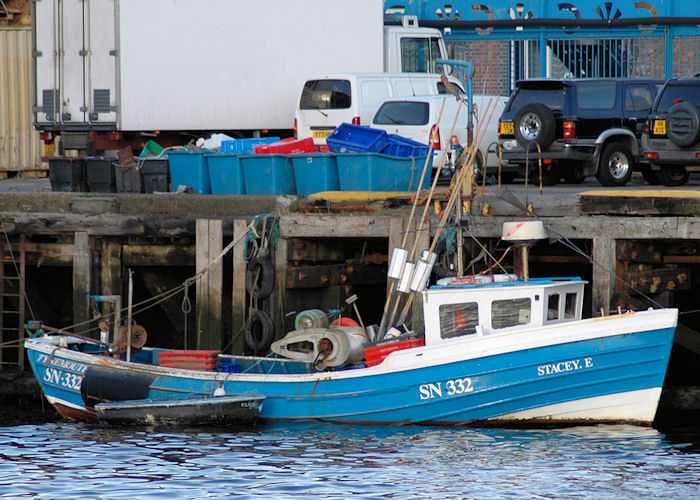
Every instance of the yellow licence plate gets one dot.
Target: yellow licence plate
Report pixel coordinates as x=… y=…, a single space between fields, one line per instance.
x=659 y=127
x=49 y=149
x=321 y=134
x=507 y=128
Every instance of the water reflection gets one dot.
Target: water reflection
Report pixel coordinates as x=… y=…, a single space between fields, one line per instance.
x=332 y=461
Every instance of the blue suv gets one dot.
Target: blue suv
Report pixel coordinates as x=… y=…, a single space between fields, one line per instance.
x=577 y=127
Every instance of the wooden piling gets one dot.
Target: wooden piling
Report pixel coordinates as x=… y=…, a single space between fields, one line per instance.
x=238 y=306
x=82 y=261
x=210 y=286
x=603 y=274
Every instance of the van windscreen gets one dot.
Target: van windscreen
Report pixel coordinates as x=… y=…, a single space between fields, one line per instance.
x=325 y=94
x=402 y=113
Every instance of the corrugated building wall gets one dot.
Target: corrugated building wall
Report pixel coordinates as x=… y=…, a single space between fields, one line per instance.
x=20 y=147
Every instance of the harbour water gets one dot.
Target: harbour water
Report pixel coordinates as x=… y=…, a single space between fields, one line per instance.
x=53 y=460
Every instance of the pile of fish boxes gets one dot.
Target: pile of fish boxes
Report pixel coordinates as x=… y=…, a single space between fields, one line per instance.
x=189 y=359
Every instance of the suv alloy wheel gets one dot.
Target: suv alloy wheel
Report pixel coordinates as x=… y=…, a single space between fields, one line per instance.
x=616 y=164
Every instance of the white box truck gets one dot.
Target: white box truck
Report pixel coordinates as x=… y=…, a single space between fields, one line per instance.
x=117 y=72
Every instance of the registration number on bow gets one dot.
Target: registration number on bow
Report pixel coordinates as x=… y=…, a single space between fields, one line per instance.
x=452 y=387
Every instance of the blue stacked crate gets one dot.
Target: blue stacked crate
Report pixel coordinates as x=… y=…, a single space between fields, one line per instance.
x=268 y=174
x=225 y=173
x=189 y=168
x=315 y=172
x=379 y=172
x=356 y=138
x=403 y=147
x=245 y=146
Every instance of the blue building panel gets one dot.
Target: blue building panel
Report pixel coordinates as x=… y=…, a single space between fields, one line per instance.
x=491 y=10
x=512 y=40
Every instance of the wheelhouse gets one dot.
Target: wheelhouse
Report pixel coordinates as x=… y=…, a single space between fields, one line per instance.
x=452 y=311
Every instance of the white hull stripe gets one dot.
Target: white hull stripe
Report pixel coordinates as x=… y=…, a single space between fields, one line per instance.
x=634 y=406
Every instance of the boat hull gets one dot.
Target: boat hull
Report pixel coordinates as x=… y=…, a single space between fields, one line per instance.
x=595 y=371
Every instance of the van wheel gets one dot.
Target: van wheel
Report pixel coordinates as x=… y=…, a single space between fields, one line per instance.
x=616 y=164
x=673 y=176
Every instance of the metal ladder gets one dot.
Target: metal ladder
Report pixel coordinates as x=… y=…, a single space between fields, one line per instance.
x=12 y=304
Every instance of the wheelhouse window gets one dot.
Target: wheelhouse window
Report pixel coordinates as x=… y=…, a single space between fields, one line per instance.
x=457 y=320
x=553 y=307
x=510 y=312
x=570 y=303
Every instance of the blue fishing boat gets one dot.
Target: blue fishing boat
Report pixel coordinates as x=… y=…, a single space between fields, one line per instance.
x=491 y=350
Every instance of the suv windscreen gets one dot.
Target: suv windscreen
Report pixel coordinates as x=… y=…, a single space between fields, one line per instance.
x=402 y=113
x=326 y=94
x=552 y=98
x=674 y=94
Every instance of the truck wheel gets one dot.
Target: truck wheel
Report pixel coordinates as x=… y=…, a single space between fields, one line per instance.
x=616 y=165
x=683 y=124
x=673 y=176
x=535 y=123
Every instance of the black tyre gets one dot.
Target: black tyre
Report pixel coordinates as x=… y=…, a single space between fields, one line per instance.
x=573 y=174
x=535 y=123
x=259 y=331
x=673 y=176
x=260 y=277
x=616 y=165
x=650 y=175
x=551 y=173
x=507 y=178
x=683 y=124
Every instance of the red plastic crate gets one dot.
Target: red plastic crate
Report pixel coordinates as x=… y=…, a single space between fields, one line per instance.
x=189 y=359
x=375 y=355
x=289 y=146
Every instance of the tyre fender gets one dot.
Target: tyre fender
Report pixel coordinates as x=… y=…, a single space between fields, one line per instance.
x=259 y=331
x=260 y=277
x=618 y=135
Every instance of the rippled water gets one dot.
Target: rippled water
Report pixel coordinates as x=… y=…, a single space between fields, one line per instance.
x=302 y=460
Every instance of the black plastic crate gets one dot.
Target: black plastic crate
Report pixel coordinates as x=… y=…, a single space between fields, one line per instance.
x=128 y=178
x=100 y=174
x=155 y=175
x=67 y=174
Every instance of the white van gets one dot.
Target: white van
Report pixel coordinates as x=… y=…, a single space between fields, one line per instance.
x=354 y=98
x=416 y=118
